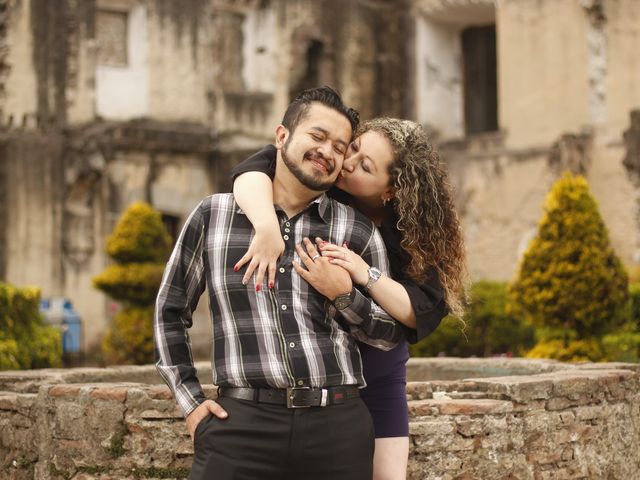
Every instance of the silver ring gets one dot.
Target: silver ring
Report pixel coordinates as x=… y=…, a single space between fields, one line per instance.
x=317 y=255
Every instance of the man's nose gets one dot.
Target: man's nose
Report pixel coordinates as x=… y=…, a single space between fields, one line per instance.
x=326 y=149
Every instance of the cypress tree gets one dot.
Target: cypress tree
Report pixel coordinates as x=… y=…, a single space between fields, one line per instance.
x=570 y=284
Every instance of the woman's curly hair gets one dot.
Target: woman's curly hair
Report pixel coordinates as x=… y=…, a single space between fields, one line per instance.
x=423 y=202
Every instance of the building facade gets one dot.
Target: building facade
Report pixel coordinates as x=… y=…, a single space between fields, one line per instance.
x=104 y=102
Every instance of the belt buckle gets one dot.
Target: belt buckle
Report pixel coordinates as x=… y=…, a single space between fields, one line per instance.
x=291 y=397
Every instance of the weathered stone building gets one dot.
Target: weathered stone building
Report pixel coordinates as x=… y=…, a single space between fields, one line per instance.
x=103 y=102
x=517 y=91
x=109 y=101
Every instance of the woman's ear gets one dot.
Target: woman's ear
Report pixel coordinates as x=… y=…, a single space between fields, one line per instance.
x=388 y=194
x=282 y=133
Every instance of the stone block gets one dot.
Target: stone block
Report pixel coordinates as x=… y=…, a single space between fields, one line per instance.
x=118 y=394
x=421 y=408
x=543 y=457
x=64 y=391
x=472 y=407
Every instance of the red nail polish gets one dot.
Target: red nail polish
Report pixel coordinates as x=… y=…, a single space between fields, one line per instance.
x=271 y=285
x=235 y=268
x=346 y=244
x=257 y=288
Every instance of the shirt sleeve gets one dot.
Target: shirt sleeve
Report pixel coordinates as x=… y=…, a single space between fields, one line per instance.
x=428 y=303
x=182 y=285
x=367 y=321
x=263 y=161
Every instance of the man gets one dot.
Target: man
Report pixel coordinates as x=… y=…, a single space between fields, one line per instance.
x=288 y=371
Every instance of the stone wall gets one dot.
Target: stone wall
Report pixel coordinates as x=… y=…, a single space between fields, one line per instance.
x=570 y=421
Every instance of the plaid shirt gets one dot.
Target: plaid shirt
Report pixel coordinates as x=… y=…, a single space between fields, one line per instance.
x=272 y=338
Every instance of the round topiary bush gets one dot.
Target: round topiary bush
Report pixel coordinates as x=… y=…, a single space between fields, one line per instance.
x=140 y=245
x=570 y=283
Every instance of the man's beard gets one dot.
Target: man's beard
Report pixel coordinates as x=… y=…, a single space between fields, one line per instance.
x=307 y=180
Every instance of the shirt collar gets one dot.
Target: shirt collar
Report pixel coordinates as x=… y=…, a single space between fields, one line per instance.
x=321 y=205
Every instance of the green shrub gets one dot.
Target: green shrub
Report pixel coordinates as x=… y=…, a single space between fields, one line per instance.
x=634 y=304
x=139 y=236
x=568 y=351
x=25 y=341
x=130 y=338
x=140 y=245
x=623 y=345
x=486 y=330
x=9 y=354
x=570 y=279
x=133 y=282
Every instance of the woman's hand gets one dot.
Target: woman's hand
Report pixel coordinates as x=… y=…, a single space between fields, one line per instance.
x=265 y=249
x=352 y=262
x=329 y=280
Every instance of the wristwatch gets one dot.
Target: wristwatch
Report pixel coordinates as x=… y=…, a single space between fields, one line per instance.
x=343 y=301
x=374 y=276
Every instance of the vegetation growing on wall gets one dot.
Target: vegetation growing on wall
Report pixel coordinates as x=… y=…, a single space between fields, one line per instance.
x=139 y=246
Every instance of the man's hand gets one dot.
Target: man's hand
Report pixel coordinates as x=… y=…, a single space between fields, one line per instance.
x=205 y=408
x=329 y=280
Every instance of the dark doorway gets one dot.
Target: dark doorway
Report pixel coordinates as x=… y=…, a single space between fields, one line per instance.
x=480 y=79
x=172 y=224
x=313 y=62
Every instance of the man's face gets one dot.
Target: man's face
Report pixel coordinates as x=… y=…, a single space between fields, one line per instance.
x=315 y=150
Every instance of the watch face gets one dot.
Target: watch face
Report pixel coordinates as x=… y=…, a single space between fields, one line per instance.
x=343 y=301
x=375 y=273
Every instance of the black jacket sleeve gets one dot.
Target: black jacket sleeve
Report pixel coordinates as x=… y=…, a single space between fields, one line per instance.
x=429 y=306
x=263 y=161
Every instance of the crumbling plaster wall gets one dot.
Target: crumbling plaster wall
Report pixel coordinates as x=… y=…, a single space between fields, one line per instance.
x=567 y=84
x=20 y=83
x=542 y=74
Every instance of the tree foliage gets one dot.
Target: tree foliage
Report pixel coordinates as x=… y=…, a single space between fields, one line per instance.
x=571 y=285
x=139 y=244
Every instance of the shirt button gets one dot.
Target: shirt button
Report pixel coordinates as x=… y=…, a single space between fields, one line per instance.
x=292 y=344
x=281 y=269
x=284 y=307
x=286 y=237
x=287 y=230
x=288 y=224
x=300 y=382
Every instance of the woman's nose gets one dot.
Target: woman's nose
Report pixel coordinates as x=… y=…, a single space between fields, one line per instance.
x=350 y=163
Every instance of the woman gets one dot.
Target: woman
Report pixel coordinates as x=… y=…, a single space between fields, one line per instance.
x=391 y=174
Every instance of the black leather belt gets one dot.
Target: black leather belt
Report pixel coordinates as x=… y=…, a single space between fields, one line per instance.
x=294 y=397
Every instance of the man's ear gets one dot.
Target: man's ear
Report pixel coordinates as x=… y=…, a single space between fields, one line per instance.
x=282 y=133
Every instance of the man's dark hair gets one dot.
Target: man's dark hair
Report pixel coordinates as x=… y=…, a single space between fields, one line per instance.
x=327 y=96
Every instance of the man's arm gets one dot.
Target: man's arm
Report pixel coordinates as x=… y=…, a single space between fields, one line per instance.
x=182 y=285
x=368 y=322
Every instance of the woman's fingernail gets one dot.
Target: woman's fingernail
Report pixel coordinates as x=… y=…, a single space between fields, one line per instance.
x=235 y=268
x=257 y=288
x=244 y=282
x=345 y=243
x=271 y=285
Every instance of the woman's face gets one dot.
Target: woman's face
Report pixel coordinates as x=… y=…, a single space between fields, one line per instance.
x=365 y=171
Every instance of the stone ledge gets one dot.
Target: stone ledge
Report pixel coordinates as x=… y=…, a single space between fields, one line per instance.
x=459 y=407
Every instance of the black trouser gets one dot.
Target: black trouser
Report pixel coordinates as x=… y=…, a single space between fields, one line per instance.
x=260 y=442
